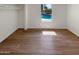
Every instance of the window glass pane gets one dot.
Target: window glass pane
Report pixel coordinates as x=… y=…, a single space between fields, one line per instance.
x=46 y=12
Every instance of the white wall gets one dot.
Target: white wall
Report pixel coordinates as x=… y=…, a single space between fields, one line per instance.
x=73 y=18
x=34 y=16
x=8 y=21
x=21 y=14
x=26 y=17
x=59 y=13
x=60 y=16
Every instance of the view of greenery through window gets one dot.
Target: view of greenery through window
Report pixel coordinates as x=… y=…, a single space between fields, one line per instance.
x=46 y=12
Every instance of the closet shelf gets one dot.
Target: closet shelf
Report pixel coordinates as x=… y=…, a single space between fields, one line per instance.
x=9 y=7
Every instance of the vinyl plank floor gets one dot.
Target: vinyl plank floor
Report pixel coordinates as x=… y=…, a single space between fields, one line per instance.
x=41 y=42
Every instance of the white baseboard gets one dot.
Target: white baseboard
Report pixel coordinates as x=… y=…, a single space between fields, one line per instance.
x=44 y=28
x=74 y=32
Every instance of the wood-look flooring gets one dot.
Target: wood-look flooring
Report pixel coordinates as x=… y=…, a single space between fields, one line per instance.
x=41 y=42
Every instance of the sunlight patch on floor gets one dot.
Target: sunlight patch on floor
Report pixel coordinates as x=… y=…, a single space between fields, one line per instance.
x=49 y=33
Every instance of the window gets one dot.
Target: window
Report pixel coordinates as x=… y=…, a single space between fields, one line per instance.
x=46 y=12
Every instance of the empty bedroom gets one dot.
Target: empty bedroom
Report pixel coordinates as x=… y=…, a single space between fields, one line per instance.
x=39 y=29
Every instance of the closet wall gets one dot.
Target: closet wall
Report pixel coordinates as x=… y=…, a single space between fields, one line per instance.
x=8 y=20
